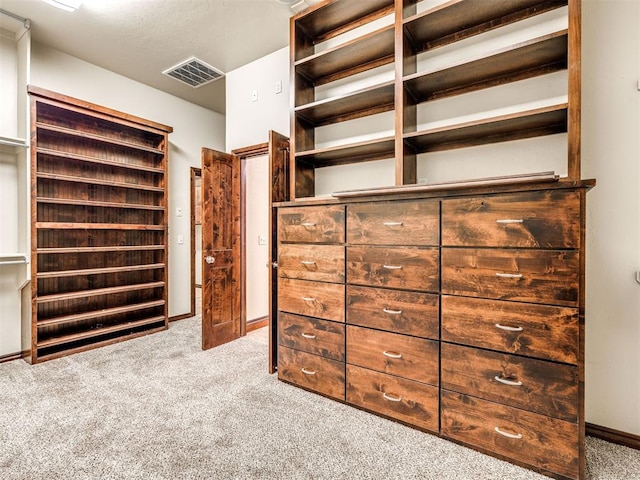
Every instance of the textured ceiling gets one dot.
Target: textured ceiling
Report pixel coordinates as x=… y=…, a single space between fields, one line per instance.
x=141 y=38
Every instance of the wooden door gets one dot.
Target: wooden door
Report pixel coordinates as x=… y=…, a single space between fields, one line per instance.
x=278 y=192
x=220 y=248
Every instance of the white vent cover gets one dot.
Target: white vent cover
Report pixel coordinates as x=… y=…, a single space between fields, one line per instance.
x=194 y=72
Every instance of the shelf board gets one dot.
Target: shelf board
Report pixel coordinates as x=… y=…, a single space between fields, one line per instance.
x=524 y=60
x=94 y=203
x=98 y=161
x=367 y=101
x=352 y=153
x=118 y=248
x=100 y=271
x=96 y=332
x=96 y=226
x=98 y=291
x=97 y=181
x=363 y=53
x=12 y=144
x=97 y=138
x=459 y=19
x=13 y=259
x=531 y=123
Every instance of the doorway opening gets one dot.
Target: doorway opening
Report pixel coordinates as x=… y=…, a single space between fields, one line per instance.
x=196 y=241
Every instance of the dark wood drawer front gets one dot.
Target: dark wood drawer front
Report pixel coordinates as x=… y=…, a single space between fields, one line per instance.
x=410 y=313
x=394 y=267
x=316 y=373
x=395 y=223
x=540 y=331
x=408 y=357
x=411 y=402
x=312 y=299
x=311 y=224
x=536 y=385
x=537 y=276
x=527 y=437
x=311 y=335
x=549 y=219
x=324 y=263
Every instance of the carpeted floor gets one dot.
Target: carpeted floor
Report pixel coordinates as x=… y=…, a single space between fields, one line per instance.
x=158 y=407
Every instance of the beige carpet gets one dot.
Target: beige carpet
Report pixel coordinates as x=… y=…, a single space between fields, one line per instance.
x=160 y=408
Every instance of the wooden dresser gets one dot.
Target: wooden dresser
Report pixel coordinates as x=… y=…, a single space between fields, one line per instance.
x=459 y=312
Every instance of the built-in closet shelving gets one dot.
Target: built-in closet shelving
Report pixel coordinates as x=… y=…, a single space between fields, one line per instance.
x=99 y=205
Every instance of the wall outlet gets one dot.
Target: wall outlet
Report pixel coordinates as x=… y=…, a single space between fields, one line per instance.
x=254 y=95
x=179 y=212
x=262 y=240
x=279 y=86
x=180 y=239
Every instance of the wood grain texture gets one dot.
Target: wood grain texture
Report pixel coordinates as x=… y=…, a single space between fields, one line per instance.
x=408 y=357
x=313 y=372
x=547 y=388
x=323 y=263
x=544 y=276
x=311 y=225
x=409 y=313
x=546 y=219
x=405 y=400
x=546 y=443
x=410 y=268
x=312 y=299
x=541 y=331
x=397 y=223
x=312 y=335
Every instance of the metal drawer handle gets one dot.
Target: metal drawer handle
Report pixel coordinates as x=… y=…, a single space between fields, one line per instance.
x=392 y=224
x=510 y=220
x=392 y=267
x=507 y=382
x=392 y=312
x=392 y=354
x=508 y=275
x=308 y=335
x=516 y=436
x=306 y=371
x=309 y=299
x=308 y=224
x=509 y=329
x=307 y=262
x=391 y=399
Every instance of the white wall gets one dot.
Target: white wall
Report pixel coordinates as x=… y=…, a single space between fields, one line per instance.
x=194 y=127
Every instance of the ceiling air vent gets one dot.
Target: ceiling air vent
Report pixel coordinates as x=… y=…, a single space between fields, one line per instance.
x=194 y=72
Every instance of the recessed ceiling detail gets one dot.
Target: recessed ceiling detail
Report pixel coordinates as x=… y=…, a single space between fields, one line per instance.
x=194 y=72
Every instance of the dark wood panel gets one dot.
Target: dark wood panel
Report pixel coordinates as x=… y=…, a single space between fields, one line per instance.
x=410 y=268
x=323 y=263
x=540 y=331
x=536 y=276
x=311 y=224
x=312 y=299
x=313 y=372
x=400 y=355
x=535 y=385
x=533 y=439
x=405 y=400
x=395 y=223
x=367 y=151
x=312 y=335
x=409 y=313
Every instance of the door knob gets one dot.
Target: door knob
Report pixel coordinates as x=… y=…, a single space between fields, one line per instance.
x=210 y=259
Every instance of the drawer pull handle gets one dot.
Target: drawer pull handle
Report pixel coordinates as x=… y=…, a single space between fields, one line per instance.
x=309 y=299
x=306 y=371
x=507 y=382
x=509 y=329
x=392 y=354
x=392 y=267
x=510 y=220
x=307 y=262
x=308 y=335
x=391 y=398
x=508 y=275
x=516 y=436
x=308 y=224
x=392 y=312
x=392 y=224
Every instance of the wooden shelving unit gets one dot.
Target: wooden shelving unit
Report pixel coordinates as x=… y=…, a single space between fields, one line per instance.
x=99 y=229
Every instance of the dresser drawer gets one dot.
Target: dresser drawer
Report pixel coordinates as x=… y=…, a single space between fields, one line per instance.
x=316 y=373
x=549 y=219
x=311 y=224
x=405 y=400
x=411 y=268
x=400 y=355
x=410 y=313
x=537 y=276
x=396 y=223
x=526 y=437
x=536 y=385
x=540 y=331
x=312 y=335
x=313 y=299
x=324 y=263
